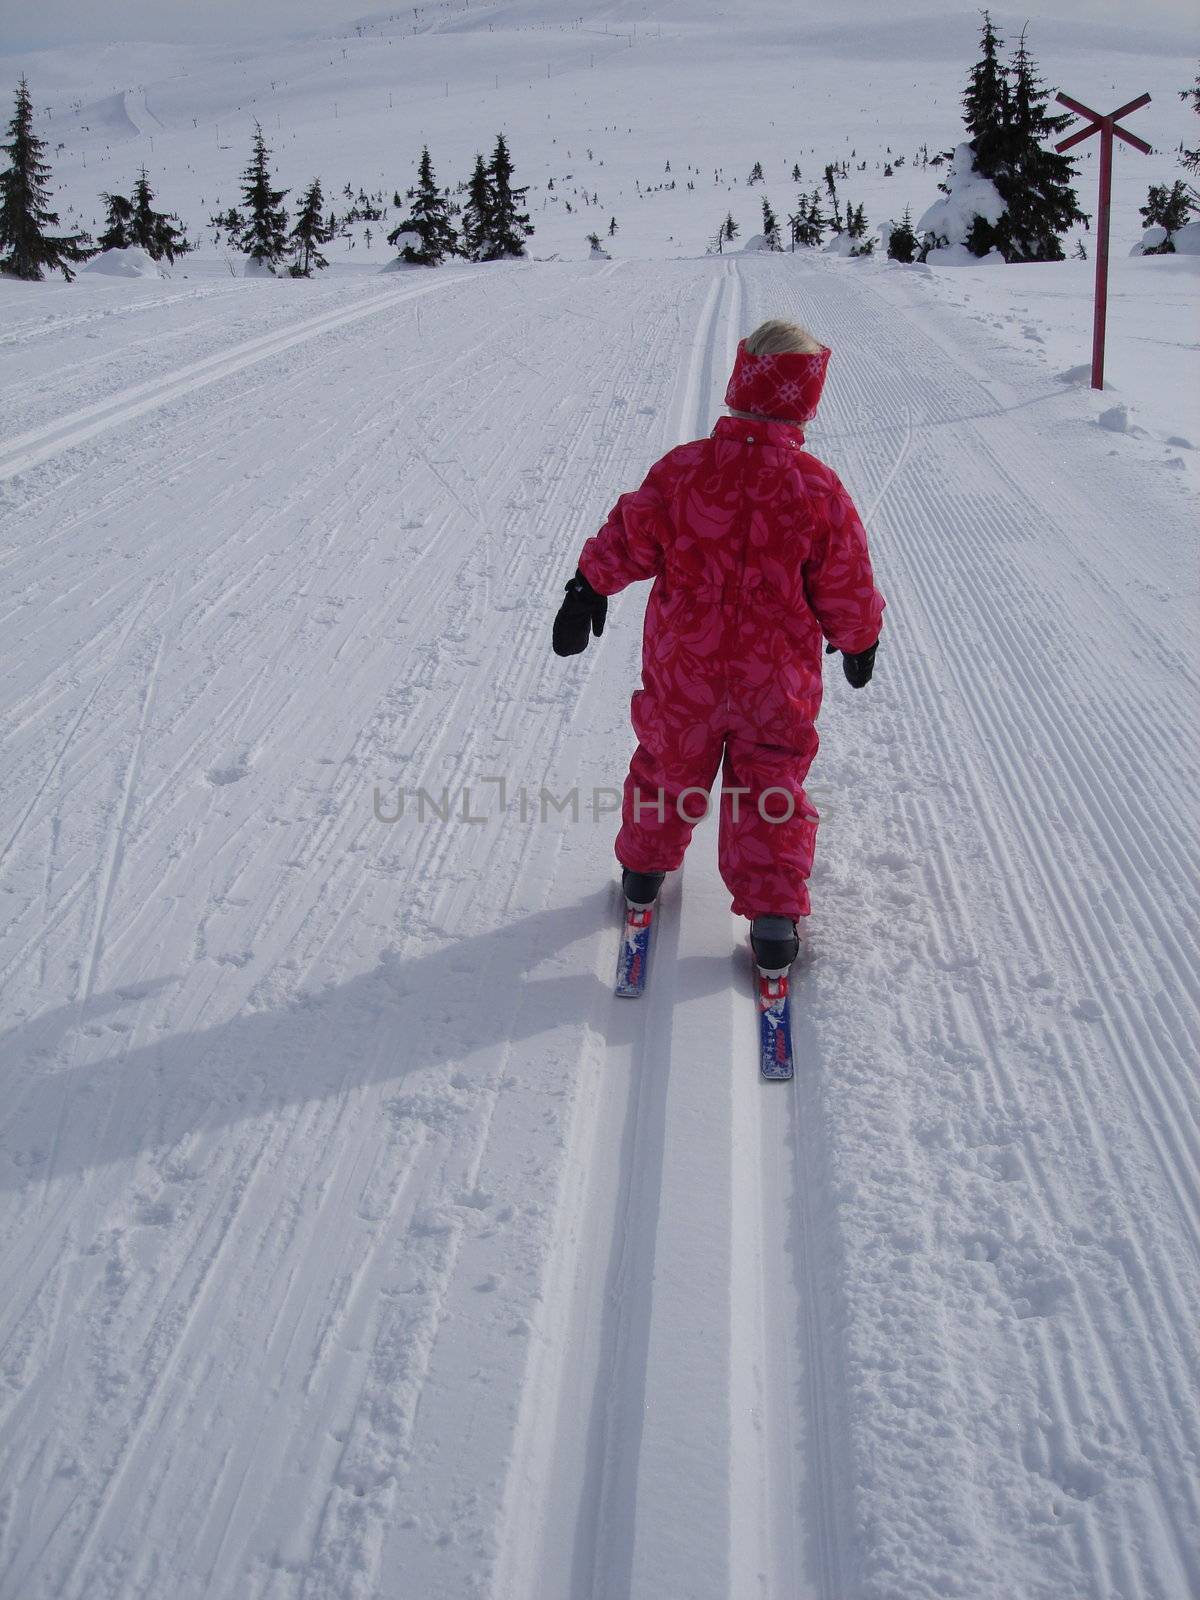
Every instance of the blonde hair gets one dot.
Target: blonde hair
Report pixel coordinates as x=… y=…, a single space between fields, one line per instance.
x=778 y=338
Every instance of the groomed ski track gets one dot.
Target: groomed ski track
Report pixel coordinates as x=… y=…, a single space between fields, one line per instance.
x=356 y=1240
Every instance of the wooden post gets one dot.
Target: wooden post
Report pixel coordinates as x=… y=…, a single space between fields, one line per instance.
x=1100 y=316
x=1106 y=127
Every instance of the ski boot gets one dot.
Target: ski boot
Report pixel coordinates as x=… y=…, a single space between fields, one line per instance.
x=640 y=888
x=775 y=942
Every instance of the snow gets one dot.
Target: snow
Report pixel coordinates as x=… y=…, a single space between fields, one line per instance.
x=356 y=1240
x=131 y=262
x=951 y=217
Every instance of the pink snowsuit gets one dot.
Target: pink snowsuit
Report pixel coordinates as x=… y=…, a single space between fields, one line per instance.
x=757 y=554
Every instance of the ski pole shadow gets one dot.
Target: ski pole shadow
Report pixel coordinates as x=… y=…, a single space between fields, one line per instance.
x=70 y=1069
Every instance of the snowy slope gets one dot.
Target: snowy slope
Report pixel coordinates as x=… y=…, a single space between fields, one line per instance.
x=356 y=1241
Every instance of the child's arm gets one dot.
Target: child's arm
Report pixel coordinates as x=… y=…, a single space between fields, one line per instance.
x=629 y=547
x=837 y=575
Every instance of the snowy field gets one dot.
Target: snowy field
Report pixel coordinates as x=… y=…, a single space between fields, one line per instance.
x=355 y=1241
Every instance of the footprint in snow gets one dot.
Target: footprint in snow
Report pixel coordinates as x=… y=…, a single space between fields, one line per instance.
x=231 y=771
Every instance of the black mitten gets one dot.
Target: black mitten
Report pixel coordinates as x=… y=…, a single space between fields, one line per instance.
x=581 y=614
x=858 y=669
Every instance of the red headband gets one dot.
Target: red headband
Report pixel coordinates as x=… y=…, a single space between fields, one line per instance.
x=786 y=386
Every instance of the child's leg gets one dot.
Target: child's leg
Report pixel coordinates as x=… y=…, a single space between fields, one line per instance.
x=768 y=826
x=666 y=791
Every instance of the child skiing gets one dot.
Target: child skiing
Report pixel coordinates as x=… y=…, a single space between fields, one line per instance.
x=757 y=554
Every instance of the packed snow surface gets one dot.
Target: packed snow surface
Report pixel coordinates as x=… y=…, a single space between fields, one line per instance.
x=356 y=1242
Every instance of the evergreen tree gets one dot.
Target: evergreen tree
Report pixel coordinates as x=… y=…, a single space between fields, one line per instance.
x=902 y=241
x=429 y=219
x=986 y=103
x=310 y=233
x=510 y=226
x=477 y=221
x=158 y=233
x=756 y=173
x=729 y=228
x=1169 y=209
x=264 y=235
x=612 y=227
x=796 y=172
x=25 y=248
x=119 y=209
x=797 y=222
x=1191 y=158
x=1035 y=182
x=770 y=226
x=232 y=221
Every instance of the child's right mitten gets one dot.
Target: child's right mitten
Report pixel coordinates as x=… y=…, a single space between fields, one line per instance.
x=581 y=614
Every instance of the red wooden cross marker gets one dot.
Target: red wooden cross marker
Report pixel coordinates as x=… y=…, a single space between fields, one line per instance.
x=1106 y=127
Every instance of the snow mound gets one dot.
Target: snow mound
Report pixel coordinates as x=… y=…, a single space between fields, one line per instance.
x=1187 y=240
x=132 y=262
x=951 y=217
x=407 y=239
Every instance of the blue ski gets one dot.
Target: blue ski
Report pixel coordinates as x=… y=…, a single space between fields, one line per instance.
x=634 y=958
x=774 y=1026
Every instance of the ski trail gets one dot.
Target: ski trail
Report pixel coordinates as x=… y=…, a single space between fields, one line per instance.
x=594 y=1431
x=40 y=444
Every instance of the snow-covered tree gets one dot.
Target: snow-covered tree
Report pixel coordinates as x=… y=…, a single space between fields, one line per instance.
x=1168 y=209
x=263 y=236
x=510 y=226
x=756 y=173
x=770 y=226
x=431 y=234
x=1004 y=109
x=310 y=233
x=26 y=249
x=158 y=233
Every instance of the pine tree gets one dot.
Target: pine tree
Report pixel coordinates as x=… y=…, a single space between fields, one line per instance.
x=429 y=219
x=986 y=103
x=477 y=221
x=612 y=227
x=796 y=172
x=1035 y=181
x=1191 y=158
x=310 y=233
x=770 y=226
x=158 y=233
x=902 y=241
x=756 y=173
x=729 y=228
x=264 y=235
x=119 y=210
x=510 y=226
x=1169 y=209
x=797 y=222
x=25 y=249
